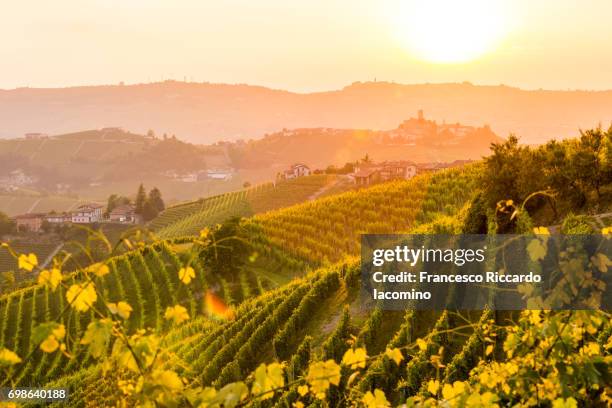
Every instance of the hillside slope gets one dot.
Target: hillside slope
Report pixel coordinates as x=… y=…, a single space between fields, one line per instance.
x=206 y=113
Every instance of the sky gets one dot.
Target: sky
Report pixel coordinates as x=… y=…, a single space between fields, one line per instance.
x=307 y=46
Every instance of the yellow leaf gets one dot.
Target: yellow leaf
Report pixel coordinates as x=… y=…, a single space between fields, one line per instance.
x=97 y=336
x=177 y=313
x=123 y=309
x=302 y=390
x=451 y=391
x=489 y=349
x=606 y=231
x=50 y=344
x=27 y=262
x=602 y=262
x=536 y=249
x=59 y=332
x=421 y=344
x=355 y=358
x=321 y=375
x=186 y=274
x=433 y=386
x=541 y=231
x=375 y=400
x=82 y=296
x=267 y=379
x=167 y=379
x=7 y=357
x=395 y=355
x=565 y=403
x=50 y=278
x=99 y=269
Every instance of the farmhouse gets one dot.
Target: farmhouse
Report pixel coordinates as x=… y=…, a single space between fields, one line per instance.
x=87 y=213
x=366 y=176
x=369 y=173
x=125 y=214
x=58 y=218
x=29 y=222
x=295 y=171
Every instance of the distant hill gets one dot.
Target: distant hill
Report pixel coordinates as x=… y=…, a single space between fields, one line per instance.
x=204 y=113
x=419 y=140
x=93 y=164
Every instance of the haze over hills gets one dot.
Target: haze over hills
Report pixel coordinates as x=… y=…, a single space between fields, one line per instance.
x=205 y=113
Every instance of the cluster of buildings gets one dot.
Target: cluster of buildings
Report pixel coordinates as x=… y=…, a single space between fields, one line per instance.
x=417 y=128
x=367 y=173
x=15 y=179
x=202 y=175
x=84 y=214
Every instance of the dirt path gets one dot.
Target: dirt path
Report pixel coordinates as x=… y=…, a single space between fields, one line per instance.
x=338 y=180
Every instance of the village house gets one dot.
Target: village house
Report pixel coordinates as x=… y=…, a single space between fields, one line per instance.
x=370 y=173
x=17 y=178
x=219 y=174
x=295 y=171
x=29 y=222
x=58 y=218
x=366 y=176
x=125 y=214
x=87 y=213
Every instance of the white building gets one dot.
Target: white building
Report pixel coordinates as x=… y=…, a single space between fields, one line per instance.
x=296 y=170
x=87 y=214
x=220 y=174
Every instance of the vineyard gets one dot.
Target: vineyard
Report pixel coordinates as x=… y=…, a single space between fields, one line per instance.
x=147 y=279
x=297 y=301
x=42 y=250
x=221 y=353
x=325 y=230
x=190 y=218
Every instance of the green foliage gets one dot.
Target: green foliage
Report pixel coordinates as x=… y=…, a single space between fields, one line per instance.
x=337 y=343
x=141 y=199
x=115 y=201
x=576 y=224
x=229 y=251
x=7 y=226
x=156 y=200
x=576 y=170
x=189 y=218
x=476 y=218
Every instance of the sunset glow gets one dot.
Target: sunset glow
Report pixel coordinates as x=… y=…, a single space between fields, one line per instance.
x=447 y=31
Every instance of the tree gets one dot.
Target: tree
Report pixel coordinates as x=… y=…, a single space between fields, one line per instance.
x=149 y=211
x=141 y=199
x=46 y=226
x=7 y=225
x=155 y=198
x=114 y=201
x=228 y=250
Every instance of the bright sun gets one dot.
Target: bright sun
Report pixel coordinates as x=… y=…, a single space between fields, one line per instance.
x=450 y=31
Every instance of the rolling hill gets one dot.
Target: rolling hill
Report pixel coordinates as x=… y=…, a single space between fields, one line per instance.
x=205 y=113
x=148 y=279
x=191 y=217
x=312 y=315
